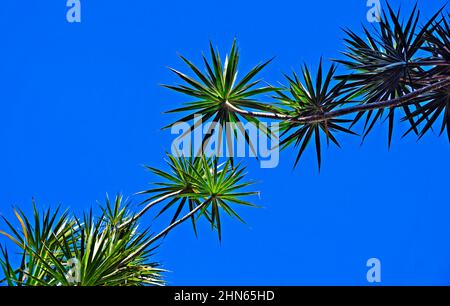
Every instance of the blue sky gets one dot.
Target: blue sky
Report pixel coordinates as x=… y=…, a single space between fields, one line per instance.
x=82 y=111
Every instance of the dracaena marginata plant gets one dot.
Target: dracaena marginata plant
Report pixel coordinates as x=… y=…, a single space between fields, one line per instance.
x=58 y=249
x=398 y=69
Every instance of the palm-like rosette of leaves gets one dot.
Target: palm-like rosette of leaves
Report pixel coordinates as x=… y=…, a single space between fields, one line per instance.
x=218 y=86
x=177 y=184
x=309 y=98
x=203 y=186
x=385 y=64
x=436 y=104
x=54 y=245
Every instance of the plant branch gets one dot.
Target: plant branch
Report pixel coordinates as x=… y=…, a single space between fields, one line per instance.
x=344 y=111
x=169 y=228
x=178 y=222
x=147 y=207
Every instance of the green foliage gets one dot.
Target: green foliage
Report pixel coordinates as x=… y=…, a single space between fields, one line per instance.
x=307 y=99
x=400 y=58
x=105 y=255
x=400 y=66
x=217 y=86
x=197 y=180
x=109 y=250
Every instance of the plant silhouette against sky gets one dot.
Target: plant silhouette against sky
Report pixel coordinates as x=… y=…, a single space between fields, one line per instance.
x=397 y=70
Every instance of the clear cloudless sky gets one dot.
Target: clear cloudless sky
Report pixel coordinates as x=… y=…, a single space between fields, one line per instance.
x=81 y=112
